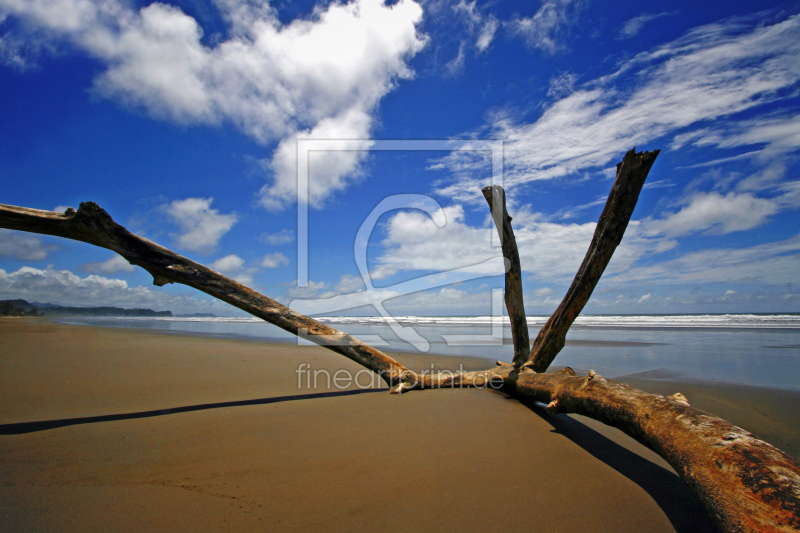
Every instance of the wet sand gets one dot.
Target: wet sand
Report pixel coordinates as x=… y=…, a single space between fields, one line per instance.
x=107 y=429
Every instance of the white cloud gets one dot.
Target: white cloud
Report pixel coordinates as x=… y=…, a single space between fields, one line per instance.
x=237 y=268
x=549 y=252
x=544 y=29
x=633 y=26
x=455 y=66
x=65 y=288
x=274 y=260
x=477 y=25
x=775 y=263
x=229 y=263
x=644 y=298
x=712 y=72
x=309 y=291
x=562 y=84
x=715 y=214
x=329 y=170
x=316 y=76
x=112 y=265
x=486 y=34
x=202 y=227
x=777 y=134
x=349 y=283
x=23 y=246
x=282 y=237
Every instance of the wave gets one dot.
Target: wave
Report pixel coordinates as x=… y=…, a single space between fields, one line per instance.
x=735 y=321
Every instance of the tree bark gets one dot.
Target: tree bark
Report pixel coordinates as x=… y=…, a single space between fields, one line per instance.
x=631 y=173
x=496 y=197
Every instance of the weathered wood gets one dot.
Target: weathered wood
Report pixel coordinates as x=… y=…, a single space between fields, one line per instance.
x=631 y=173
x=91 y=224
x=744 y=483
x=496 y=197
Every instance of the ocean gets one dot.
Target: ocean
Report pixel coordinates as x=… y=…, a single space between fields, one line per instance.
x=759 y=350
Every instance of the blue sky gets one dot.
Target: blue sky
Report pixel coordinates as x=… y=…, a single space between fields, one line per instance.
x=182 y=118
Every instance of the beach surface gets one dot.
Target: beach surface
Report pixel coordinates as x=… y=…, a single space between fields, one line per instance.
x=106 y=429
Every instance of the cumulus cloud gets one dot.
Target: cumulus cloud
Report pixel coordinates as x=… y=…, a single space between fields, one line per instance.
x=282 y=237
x=201 y=226
x=545 y=29
x=274 y=260
x=234 y=266
x=712 y=72
x=23 y=246
x=65 y=288
x=549 y=252
x=112 y=265
x=632 y=27
x=228 y=263
x=349 y=283
x=715 y=214
x=310 y=77
x=245 y=271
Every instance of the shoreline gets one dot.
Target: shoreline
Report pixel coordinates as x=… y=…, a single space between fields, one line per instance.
x=186 y=433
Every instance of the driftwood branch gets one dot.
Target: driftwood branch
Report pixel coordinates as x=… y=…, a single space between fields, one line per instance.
x=744 y=483
x=631 y=173
x=91 y=224
x=496 y=197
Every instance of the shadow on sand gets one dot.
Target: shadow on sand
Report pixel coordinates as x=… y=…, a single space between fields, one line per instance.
x=680 y=505
x=43 y=425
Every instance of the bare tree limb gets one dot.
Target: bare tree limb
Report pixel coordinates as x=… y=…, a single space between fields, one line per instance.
x=91 y=224
x=496 y=197
x=631 y=173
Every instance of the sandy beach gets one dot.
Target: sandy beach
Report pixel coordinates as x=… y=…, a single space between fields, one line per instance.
x=107 y=429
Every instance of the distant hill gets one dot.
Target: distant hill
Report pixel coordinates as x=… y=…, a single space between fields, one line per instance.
x=23 y=308
x=7 y=308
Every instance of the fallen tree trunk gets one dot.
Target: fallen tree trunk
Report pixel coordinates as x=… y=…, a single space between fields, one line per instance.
x=744 y=483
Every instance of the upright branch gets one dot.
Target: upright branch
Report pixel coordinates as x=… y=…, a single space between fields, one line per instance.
x=91 y=224
x=496 y=197
x=631 y=173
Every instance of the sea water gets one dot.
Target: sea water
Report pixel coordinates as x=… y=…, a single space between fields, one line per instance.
x=760 y=350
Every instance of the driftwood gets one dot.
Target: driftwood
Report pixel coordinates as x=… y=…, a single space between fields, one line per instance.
x=745 y=484
x=631 y=173
x=496 y=197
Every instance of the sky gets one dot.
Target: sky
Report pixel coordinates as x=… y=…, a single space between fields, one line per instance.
x=191 y=121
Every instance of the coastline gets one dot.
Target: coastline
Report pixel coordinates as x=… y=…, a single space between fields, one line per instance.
x=214 y=434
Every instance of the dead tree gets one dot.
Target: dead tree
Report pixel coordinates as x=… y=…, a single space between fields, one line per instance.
x=744 y=483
